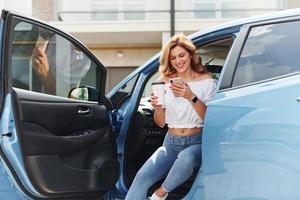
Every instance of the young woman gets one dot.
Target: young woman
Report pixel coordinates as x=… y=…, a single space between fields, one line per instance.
x=184 y=112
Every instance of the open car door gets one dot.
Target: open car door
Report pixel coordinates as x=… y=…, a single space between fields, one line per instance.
x=54 y=146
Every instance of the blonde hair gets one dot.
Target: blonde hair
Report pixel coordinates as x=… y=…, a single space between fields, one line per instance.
x=179 y=40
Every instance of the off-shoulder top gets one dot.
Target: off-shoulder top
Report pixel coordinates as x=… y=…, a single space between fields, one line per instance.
x=180 y=112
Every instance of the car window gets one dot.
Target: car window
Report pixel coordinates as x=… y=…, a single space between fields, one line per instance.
x=154 y=78
x=44 y=61
x=270 y=51
x=124 y=92
x=214 y=54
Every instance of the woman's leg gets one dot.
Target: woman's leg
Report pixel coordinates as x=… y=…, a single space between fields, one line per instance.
x=182 y=169
x=154 y=169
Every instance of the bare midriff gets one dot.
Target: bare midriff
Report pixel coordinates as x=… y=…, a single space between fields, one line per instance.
x=185 y=131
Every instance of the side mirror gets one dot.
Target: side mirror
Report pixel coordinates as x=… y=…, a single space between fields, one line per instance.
x=85 y=93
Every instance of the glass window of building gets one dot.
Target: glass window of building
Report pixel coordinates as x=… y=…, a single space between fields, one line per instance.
x=118 y=9
x=220 y=8
x=105 y=9
x=205 y=9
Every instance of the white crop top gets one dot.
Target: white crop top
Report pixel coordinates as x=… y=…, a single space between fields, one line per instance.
x=180 y=112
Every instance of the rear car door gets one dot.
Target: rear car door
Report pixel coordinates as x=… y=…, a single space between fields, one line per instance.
x=251 y=137
x=54 y=146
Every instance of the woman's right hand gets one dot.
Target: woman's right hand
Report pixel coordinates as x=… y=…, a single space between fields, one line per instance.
x=154 y=101
x=159 y=114
x=40 y=62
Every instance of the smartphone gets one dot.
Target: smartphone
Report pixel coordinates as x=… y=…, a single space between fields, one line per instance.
x=42 y=43
x=178 y=80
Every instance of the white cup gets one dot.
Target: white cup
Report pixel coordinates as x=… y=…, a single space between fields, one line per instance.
x=158 y=89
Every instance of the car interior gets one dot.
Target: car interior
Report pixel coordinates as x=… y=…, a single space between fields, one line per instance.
x=75 y=146
x=144 y=136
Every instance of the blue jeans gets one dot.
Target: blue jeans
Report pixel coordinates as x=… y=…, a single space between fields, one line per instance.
x=176 y=160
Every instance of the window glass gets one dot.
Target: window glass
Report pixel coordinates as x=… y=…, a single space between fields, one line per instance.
x=214 y=54
x=105 y=9
x=154 y=78
x=124 y=92
x=146 y=96
x=270 y=51
x=43 y=61
x=221 y=9
x=118 y=10
x=234 y=9
x=133 y=7
x=205 y=10
x=128 y=87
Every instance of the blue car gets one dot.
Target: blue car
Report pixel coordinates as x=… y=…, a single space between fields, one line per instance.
x=63 y=138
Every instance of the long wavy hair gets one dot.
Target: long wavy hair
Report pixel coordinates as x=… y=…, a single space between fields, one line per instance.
x=179 y=40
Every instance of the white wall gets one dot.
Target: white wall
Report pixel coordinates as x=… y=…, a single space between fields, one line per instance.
x=20 y=6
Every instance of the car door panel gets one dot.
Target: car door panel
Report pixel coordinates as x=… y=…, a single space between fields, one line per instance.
x=37 y=135
x=54 y=146
x=66 y=112
x=76 y=147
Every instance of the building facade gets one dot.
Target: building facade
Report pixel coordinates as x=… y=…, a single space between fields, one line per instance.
x=125 y=33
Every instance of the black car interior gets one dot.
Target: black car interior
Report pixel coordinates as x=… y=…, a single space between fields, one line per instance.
x=70 y=155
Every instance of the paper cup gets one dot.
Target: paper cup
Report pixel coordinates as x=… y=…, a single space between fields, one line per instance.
x=158 y=89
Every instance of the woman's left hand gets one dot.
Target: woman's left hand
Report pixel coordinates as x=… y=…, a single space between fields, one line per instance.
x=182 y=90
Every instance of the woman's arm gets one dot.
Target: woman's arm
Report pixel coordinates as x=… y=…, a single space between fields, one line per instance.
x=159 y=111
x=186 y=92
x=159 y=117
x=199 y=106
x=42 y=68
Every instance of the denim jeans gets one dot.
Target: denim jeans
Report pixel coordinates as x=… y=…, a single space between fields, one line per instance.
x=175 y=160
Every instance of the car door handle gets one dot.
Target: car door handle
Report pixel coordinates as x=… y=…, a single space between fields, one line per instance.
x=298 y=99
x=84 y=111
